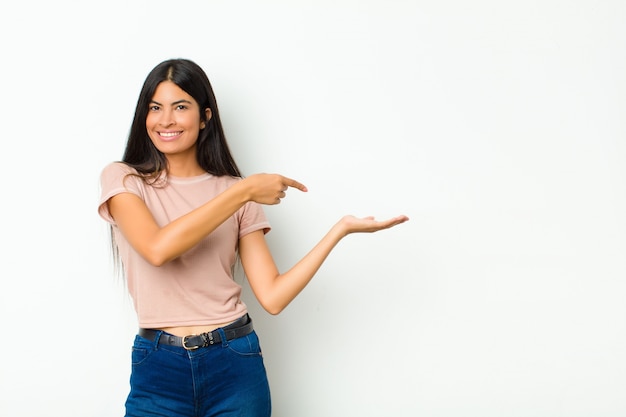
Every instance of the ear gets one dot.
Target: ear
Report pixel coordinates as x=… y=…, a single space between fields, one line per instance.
x=208 y=114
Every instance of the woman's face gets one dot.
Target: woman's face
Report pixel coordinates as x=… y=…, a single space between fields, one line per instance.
x=173 y=121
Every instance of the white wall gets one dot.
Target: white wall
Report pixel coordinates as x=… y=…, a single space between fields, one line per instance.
x=496 y=126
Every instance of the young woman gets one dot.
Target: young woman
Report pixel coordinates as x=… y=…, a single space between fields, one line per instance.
x=181 y=216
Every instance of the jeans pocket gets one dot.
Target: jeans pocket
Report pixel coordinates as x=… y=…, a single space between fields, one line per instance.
x=141 y=351
x=246 y=345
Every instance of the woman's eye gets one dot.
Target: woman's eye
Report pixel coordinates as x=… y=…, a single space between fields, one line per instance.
x=153 y=108
x=181 y=107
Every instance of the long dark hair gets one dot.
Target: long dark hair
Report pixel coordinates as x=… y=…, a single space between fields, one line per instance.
x=213 y=153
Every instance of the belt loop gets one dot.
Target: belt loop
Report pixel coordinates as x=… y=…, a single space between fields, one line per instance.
x=157 y=337
x=220 y=330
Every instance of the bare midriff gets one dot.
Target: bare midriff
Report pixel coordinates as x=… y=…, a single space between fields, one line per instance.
x=193 y=330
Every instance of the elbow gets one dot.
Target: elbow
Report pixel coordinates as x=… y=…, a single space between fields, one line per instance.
x=274 y=308
x=158 y=253
x=274 y=311
x=156 y=258
x=155 y=261
x=273 y=297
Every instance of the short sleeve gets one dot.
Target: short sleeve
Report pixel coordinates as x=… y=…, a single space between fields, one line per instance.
x=253 y=218
x=115 y=179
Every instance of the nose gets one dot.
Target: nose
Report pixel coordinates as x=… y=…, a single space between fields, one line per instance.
x=167 y=118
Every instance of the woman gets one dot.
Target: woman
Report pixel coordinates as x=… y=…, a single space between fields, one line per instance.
x=182 y=215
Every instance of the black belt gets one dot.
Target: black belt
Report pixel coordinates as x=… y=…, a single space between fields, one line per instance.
x=241 y=327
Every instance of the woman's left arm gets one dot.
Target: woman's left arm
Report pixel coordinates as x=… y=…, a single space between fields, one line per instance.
x=275 y=290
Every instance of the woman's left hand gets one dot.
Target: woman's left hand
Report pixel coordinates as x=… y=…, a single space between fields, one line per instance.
x=352 y=224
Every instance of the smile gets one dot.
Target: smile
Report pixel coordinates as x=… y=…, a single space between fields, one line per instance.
x=169 y=134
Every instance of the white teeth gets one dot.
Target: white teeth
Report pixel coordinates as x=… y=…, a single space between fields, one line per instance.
x=169 y=134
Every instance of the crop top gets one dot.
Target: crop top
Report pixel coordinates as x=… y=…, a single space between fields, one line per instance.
x=197 y=288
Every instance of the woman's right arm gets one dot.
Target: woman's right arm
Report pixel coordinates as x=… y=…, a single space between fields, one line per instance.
x=159 y=245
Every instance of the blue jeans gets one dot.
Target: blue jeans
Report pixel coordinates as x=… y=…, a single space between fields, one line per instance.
x=226 y=380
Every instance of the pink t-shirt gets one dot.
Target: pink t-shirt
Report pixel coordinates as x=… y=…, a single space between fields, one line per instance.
x=197 y=288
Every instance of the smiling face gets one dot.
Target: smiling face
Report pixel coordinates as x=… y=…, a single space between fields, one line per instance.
x=173 y=121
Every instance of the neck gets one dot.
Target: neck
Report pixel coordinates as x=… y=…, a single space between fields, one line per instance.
x=184 y=166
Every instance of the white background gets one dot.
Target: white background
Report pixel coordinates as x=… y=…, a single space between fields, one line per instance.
x=496 y=126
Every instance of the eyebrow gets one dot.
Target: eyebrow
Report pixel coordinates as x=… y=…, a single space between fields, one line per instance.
x=173 y=104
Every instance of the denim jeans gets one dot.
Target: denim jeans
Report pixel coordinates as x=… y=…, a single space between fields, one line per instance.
x=226 y=380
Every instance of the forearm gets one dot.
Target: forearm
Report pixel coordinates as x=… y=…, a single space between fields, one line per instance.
x=288 y=285
x=161 y=244
x=187 y=231
x=274 y=290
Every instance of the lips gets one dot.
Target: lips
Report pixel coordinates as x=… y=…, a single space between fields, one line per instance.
x=170 y=135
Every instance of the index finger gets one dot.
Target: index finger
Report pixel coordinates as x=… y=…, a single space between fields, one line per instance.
x=295 y=184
